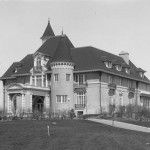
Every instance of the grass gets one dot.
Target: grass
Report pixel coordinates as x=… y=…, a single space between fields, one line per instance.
x=68 y=135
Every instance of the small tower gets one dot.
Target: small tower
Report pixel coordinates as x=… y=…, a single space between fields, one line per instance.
x=47 y=33
x=62 y=68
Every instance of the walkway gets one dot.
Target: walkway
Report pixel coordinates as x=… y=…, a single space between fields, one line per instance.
x=122 y=125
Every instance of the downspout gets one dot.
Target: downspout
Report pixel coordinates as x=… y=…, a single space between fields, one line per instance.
x=100 y=95
x=4 y=95
x=137 y=87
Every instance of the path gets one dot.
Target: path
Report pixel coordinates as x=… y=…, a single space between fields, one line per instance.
x=122 y=125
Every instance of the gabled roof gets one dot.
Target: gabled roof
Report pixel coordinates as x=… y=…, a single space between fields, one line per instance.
x=48 y=31
x=62 y=53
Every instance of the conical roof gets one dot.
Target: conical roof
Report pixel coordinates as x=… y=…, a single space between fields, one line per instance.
x=48 y=31
x=62 y=53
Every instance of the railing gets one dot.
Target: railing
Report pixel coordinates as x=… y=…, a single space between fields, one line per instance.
x=80 y=106
x=37 y=68
x=131 y=89
x=112 y=86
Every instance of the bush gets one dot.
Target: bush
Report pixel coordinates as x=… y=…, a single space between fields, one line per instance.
x=129 y=110
x=71 y=114
x=111 y=109
x=121 y=111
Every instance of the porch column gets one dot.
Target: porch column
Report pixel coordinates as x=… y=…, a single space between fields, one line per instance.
x=47 y=102
x=46 y=81
x=35 y=81
x=31 y=80
x=8 y=104
x=42 y=81
x=30 y=107
x=23 y=102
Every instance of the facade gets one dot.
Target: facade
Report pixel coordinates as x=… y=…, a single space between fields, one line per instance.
x=60 y=77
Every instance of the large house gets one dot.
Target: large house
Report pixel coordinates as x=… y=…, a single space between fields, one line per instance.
x=59 y=76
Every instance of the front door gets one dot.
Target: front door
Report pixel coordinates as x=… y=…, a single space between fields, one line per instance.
x=40 y=105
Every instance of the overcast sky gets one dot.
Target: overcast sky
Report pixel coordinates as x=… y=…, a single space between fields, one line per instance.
x=110 y=25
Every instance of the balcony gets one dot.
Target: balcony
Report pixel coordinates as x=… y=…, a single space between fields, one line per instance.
x=131 y=89
x=37 y=69
x=79 y=87
x=79 y=106
x=112 y=86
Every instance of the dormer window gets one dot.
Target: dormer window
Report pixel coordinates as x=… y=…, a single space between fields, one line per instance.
x=118 y=67
x=106 y=61
x=141 y=72
x=15 y=70
x=127 y=70
x=108 y=64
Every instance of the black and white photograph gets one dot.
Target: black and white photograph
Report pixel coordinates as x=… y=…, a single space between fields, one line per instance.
x=74 y=75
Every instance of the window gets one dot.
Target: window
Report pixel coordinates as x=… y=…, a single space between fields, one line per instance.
x=33 y=80
x=55 y=77
x=79 y=79
x=127 y=70
x=44 y=80
x=110 y=79
x=108 y=64
x=68 y=77
x=118 y=67
x=61 y=98
x=39 y=81
x=141 y=74
x=120 y=81
x=80 y=98
x=130 y=83
x=38 y=61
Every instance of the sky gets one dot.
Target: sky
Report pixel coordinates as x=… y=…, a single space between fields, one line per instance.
x=110 y=25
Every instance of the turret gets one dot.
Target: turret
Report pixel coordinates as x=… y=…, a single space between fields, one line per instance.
x=47 y=33
x=62 y=68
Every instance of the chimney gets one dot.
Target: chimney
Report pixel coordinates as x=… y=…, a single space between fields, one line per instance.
x=125 y=56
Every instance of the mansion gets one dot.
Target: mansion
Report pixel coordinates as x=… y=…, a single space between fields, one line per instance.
x=59 y=76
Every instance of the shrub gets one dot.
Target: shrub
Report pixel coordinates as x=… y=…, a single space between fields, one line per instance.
x=71 y=114
x=129 y=110
x=111 y=109
x=121 y=111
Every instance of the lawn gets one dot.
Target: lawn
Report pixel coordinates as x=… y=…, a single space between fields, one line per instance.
x=68 y=135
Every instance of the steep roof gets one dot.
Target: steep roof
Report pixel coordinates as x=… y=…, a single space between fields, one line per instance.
x=62 y=53
x=24 y=68
x=90 y=58
x=48 y=31
x=51 y=44
x=85 y=59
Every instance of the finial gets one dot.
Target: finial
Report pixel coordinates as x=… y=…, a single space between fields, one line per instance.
x=48 y=20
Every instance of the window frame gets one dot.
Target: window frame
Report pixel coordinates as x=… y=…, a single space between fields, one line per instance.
x=61 y=98
x=79 y=79
x=56 y=78
x=68 y=77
